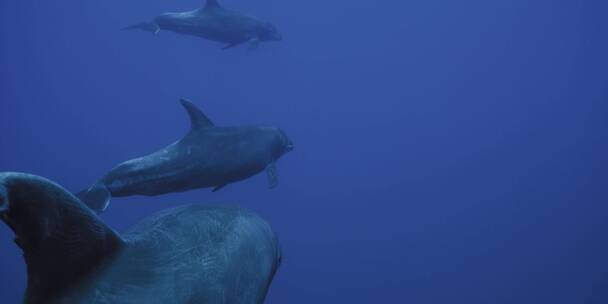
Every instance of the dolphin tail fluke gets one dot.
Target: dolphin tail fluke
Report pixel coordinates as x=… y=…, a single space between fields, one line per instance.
x=97 y=197
x=144 y=26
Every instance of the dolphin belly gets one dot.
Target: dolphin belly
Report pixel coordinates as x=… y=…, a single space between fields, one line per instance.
x=183 y=166
x=209 y=33
x=165 y=171
x=157 y=182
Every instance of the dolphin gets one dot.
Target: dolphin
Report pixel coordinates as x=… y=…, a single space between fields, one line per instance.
x=215 y=23
x=208 y=156
x=189 y=254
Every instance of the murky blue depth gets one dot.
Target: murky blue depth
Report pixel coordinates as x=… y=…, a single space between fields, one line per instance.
x=446 y=151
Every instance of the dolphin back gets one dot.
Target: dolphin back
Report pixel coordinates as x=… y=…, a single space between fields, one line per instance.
x=224 y=255
x=190 y=254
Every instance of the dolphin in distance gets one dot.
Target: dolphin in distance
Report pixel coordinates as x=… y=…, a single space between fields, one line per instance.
x=215 y=23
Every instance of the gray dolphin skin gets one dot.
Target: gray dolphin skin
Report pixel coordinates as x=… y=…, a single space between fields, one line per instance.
x=208 y=156
x=190 y=254
x=215 y=23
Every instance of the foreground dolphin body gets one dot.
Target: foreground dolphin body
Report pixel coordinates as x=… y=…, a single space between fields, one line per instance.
x=207 y=156
x=215 y=23
x=190 y=254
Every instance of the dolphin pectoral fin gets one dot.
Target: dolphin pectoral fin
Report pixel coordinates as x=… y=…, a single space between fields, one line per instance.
x=254 y=43
x=152 y=27
x=144 y=26
x=231 y=45
x=273 y=177
x=97 y=198
x=218 y=188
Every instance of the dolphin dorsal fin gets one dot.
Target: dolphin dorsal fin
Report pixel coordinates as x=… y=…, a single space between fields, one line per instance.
x=198 y=119
x=212 y=4
x=62 y=240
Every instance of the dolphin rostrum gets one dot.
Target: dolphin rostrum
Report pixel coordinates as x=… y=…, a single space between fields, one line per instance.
x=215 y=23
x=189 y=254
x=208 y=156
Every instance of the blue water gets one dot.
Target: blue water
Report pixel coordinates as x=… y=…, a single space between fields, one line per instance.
x=445 y=151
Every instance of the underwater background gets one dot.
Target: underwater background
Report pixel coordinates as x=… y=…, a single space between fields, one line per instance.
x=445 y=151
